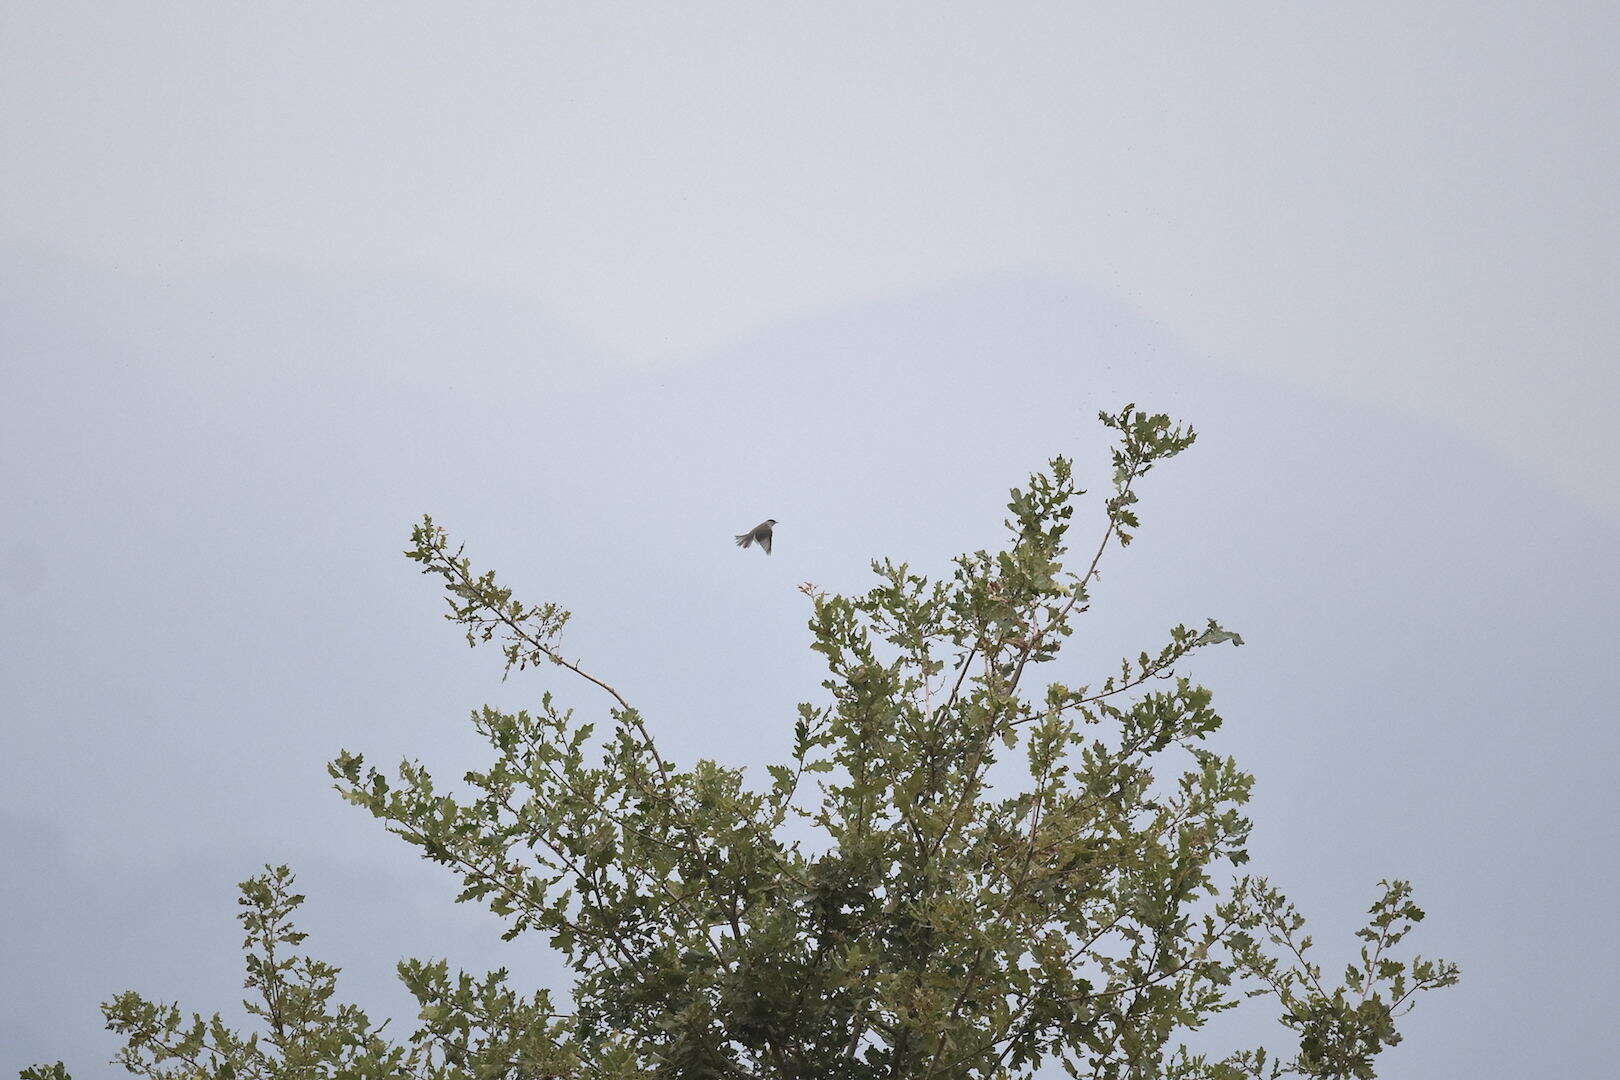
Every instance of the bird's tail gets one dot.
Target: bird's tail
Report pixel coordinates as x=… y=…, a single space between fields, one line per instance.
x=745 y=539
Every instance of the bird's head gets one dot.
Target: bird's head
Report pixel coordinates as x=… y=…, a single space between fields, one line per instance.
x=770 y=521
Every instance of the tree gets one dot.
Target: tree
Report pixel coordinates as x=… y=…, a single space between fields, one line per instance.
x=949 y=876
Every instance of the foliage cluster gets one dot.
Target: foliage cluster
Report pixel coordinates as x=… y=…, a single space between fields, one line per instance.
x=950 y=875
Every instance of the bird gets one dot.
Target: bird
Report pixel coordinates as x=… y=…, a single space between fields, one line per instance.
x=760 y=533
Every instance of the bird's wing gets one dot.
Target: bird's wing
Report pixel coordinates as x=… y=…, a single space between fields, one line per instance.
x=765 y=541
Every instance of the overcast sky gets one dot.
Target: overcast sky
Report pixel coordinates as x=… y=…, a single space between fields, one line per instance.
x=599 y=288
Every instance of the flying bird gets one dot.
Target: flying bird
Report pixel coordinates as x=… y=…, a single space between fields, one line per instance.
x=760 y=534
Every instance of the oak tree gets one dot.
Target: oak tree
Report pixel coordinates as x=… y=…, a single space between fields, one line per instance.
x=955 y=871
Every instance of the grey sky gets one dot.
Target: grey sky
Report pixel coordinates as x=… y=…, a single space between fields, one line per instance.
x=1407 y=205
x=600 y=290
